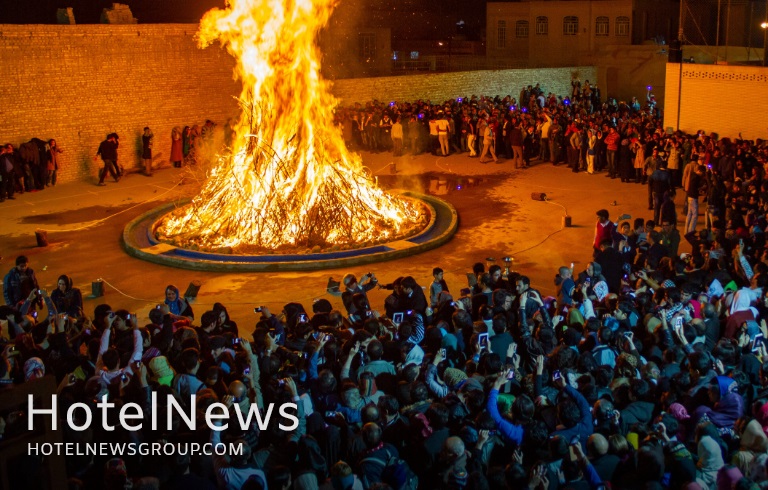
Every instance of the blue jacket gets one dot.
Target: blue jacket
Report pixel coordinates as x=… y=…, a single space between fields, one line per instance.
x=510 y=431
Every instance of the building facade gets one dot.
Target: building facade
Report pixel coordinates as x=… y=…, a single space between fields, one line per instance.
x=556 y=33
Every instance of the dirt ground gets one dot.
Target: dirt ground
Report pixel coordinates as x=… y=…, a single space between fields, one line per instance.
x=497 y=216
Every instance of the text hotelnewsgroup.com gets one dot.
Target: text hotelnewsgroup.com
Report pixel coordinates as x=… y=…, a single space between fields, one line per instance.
x=132 y=449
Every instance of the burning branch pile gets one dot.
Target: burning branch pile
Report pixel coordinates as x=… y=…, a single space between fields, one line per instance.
x=289 y=180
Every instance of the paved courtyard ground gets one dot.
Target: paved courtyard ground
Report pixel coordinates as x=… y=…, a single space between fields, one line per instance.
x=497 y=218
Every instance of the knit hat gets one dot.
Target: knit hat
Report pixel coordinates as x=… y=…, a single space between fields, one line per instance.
x=453 y=377
x=34 y=368
x=628 y=358
x=162 y=371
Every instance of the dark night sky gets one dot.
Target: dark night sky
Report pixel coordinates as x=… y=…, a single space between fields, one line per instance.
x=160 y=11
x=89 y=11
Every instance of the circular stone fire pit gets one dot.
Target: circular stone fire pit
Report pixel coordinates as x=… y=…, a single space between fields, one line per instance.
x=139 y=241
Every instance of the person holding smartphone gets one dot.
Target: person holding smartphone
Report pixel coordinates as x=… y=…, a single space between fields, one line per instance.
x=577 y=417
x=511 y=432
x=19 y=283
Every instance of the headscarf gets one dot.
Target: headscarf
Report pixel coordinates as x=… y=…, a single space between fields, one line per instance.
x=741 y=301
x=727 y=477
x=710 y=461
x=174 y=306
x=34 y=369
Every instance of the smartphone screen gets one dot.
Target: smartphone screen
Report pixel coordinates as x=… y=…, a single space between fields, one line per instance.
x=556 y=375
x=442 y=352
x=511 y=374
x=483 y=339
x=678 y=322
x=757 y=342
x=397 y=318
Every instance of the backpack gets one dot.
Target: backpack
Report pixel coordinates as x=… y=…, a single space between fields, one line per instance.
x=396 y=473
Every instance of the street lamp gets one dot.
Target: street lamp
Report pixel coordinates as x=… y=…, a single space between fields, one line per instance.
x=764 y=25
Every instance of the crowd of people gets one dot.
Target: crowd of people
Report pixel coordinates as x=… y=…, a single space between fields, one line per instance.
x=34 y=165
x=648 y=369
x=581 y=131
x=31 y=167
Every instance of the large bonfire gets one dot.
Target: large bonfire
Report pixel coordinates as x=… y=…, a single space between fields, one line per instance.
x=288 y=180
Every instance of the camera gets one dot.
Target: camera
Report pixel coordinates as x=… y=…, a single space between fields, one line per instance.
x=258 y=309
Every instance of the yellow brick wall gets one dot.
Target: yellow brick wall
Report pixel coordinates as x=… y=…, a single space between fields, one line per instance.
x=439 y=87
x=727 y=100
x=77 y=83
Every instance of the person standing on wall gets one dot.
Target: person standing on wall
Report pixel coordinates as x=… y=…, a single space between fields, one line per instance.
x=108 y=152
x=146 y=150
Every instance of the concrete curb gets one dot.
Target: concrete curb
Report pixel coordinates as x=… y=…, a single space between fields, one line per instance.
x=138 y=241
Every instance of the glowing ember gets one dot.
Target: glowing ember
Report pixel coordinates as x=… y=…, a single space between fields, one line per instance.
x=289 y=179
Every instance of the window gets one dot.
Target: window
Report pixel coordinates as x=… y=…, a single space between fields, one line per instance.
x=521 y=28
x=601 y=26
x=622 y=26
x=542 y=26
x=501 y=39
x=570 y=25
x=367 y=47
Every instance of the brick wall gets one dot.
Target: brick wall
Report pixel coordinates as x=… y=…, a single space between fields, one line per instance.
x=439 y=87
x=78 y=83
x=727 y=100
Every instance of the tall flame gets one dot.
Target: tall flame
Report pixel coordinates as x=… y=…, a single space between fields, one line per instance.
x=289 y=178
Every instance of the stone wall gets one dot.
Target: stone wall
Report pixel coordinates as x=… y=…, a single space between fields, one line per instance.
x=76 y=83
x=727 y=100
x=439 y=87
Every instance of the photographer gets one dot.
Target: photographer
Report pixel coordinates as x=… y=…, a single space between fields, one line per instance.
x=351 y=287
x=19 y=282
